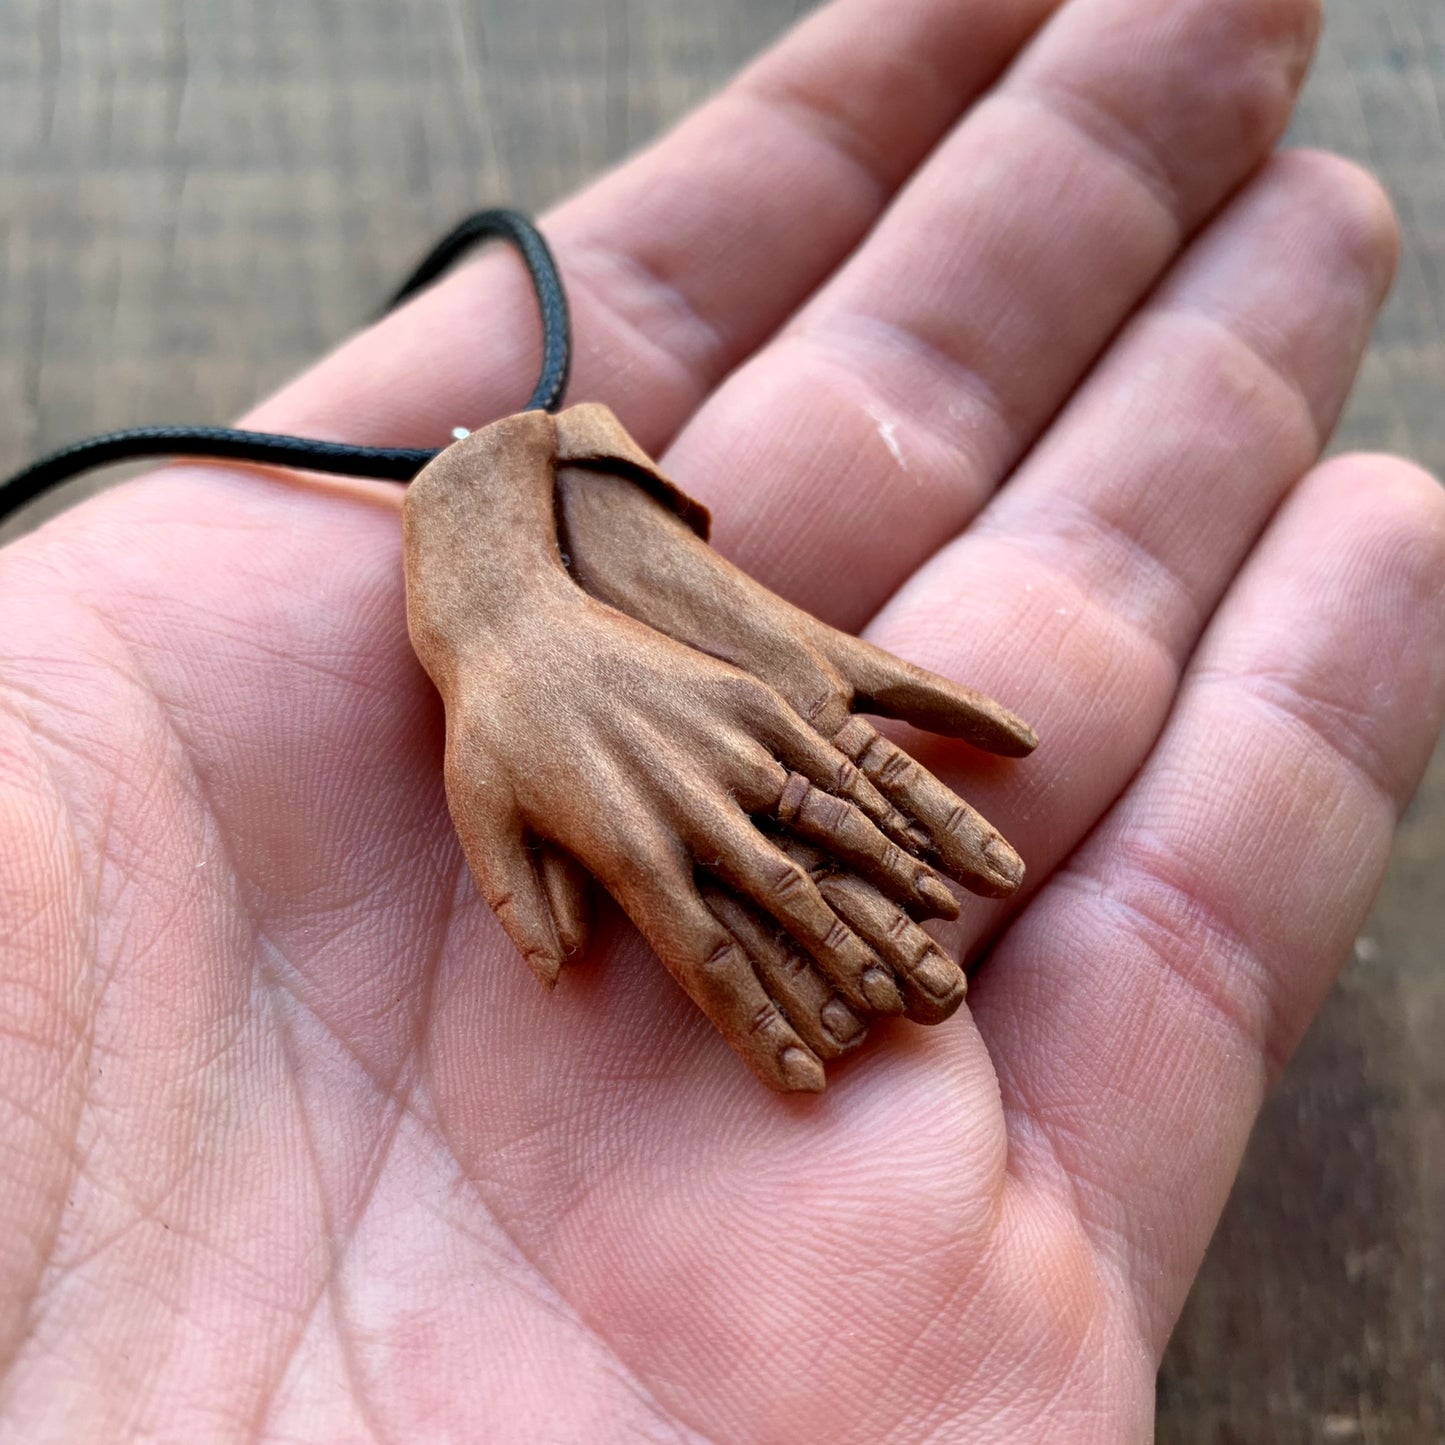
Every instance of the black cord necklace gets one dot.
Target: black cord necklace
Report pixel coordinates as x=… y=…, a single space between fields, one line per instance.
x=394 y=464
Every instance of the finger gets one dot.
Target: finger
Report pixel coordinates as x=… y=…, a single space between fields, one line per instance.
x=754 y=868
x=890 y=687
x=875 y=426
x=809 y=1002
x=969 y=846
x=835 y=825
x=814 y=816
x=718 y=976
x=567 y=885
x=1162 y=979
x=799 y=746
x=687 y=257
x=1111 y=547
x=933 y=984
x=507 y=878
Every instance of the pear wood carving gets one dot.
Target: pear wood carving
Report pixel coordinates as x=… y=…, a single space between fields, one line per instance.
x=622 y=702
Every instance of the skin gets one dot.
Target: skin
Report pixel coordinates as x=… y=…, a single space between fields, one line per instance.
x=292 y=1147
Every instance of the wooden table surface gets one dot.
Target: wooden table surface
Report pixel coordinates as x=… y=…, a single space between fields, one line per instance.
x=196 y=196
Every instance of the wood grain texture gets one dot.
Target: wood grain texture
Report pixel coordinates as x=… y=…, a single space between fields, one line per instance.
x=197 y=196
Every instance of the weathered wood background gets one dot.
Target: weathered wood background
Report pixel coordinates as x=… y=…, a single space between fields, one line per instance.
x=196 y=196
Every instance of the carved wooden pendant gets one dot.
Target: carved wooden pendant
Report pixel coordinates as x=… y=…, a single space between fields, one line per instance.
x=622 y=702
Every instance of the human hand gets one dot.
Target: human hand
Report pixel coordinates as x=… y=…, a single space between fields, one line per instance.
x=293 y=1148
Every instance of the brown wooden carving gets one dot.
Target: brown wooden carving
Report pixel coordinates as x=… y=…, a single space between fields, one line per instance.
x=622 y=702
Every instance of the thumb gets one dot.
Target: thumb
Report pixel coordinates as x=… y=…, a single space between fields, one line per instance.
x=507 y=875
x=889 y=687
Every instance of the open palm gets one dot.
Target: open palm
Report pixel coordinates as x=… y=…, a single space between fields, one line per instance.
x=294 y=1147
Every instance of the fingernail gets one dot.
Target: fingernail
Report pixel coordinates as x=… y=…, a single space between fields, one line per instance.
x=843 y=1025
x=936 y=896
x=1007 y=866
x=881 y=992
x=936 y=974
x=802 y=1073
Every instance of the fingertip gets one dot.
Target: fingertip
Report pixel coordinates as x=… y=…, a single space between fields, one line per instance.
x=801 y=1072
x=938 y=898
x=881 y=991
x=574 y=934
x=941 y=990
x=995 y=730
x=1005 y=865
x=1016 y=739
x=546 y=967
x=844 y=1026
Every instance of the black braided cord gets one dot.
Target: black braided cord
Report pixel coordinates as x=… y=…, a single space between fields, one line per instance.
x=394 y=464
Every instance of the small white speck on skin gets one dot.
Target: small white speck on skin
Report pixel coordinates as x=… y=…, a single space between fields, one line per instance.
x=460 y=433
x=1366 y=949
x=888 y=435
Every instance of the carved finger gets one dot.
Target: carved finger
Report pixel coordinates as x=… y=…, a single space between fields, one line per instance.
x=890 y=687
x=837 y=825
x=933 y=984
x=718 y=975
x=969 y=847
x=507 y=878
x=569 y=892
x=809 y=1002
x=801 y=749
x=785 y=890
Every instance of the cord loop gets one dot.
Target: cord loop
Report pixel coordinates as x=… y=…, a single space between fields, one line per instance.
x=396 y=464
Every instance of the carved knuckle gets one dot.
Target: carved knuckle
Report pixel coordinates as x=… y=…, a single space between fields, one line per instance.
x=766 y=1022
x=823 y=700
x=832 y=813
x=796 y=792
x=959 y=823
x=854 y=738
x=722 y=961
x=893 y=765
x=790 y=882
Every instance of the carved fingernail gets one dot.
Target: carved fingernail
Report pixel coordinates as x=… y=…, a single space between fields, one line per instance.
x=842 y=1024
x=936 y=974
x=881 y=992
x=932 y=891
x=1007 y=866
x=802 y=1073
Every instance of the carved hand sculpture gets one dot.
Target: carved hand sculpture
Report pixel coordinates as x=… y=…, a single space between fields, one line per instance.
x=645 y=560
x=634 y=732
